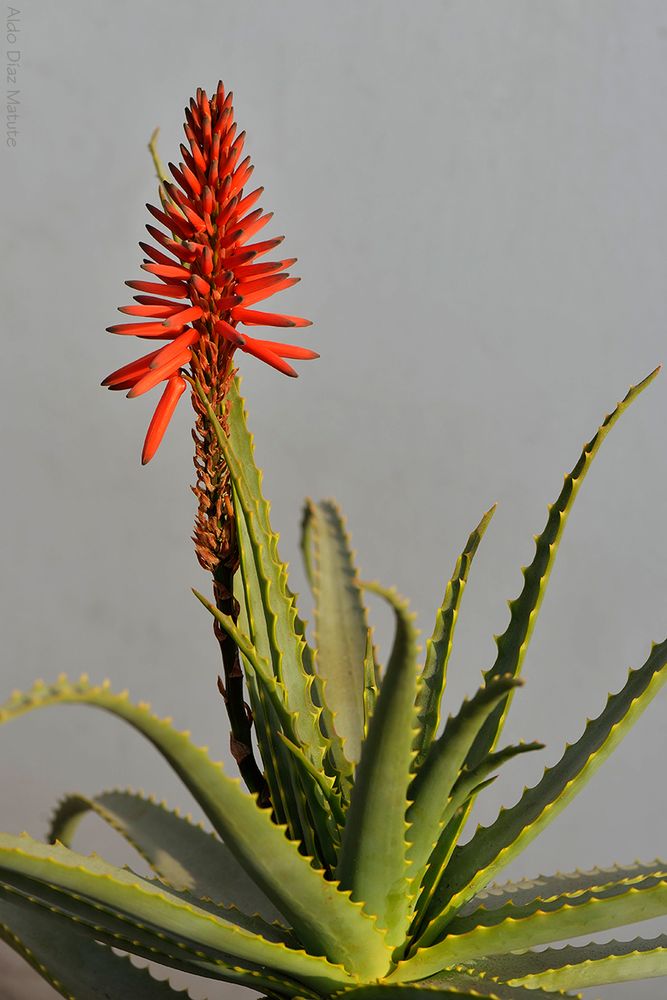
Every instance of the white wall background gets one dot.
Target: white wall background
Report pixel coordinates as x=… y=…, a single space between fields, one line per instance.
x=476 y=193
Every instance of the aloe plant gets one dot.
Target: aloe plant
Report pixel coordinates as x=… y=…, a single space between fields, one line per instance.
x=340 y=870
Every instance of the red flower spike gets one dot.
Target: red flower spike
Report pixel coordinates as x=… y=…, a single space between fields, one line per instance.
x=204 y=261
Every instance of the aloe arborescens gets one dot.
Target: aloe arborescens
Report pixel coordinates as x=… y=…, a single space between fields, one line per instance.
x=341 y=870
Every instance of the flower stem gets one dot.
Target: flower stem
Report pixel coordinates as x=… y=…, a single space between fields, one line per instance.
x=240 y=718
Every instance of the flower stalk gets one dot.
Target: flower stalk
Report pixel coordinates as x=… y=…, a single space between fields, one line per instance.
x=205 y=276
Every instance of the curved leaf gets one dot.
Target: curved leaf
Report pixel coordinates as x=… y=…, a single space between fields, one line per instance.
x=585 y=965
x=439 y=646
x=547 y=886
x=373 y=862
x=78 y=968
x=473 y=979
x=99 y=886
x=278 y=769
x=370 y=682
x=201 y=776
x=491 y=848
x=309 y=783
x=179 y=852
x=513 y=643
x=66 y=913
x=516 y=928
x=469 y=784
x=453 y=984
x=323 y=917
x=434 y=782
x=341 y=624
x=291 y=656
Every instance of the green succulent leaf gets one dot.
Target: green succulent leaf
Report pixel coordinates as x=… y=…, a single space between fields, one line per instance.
x=517 y=928
x=273 y=688
x=469 y=783
x=201 y=776
x=279 y=770
x=476 y=980
x=373 y=862
x=583 y=966
x=371 y=690
x=181 y=853
x=290 y=655
x=452 y=984
x=319 y=779
x=468 y=780
x=439 y=646
x=434 y=782
x=341 y=624
x=97 y=886
x=323 y=917
x=513 y=643
x=546 y=886
x=308 y=782
x=77 y=967
x=491 y=848
x=68 y=913
x=400 y=605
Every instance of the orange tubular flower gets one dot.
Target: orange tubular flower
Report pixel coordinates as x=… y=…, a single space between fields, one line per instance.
x=205 y=273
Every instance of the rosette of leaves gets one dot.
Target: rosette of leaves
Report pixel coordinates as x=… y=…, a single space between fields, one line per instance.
x=353 y=881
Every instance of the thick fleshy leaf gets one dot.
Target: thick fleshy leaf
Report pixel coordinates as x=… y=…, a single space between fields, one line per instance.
x=314 y=792
x=181 y=853
x=400 y=605
x=451 y=985
x=476 y=863
x=290 y=655
x=439 y=646
x=513 y=643
x=434 y=782
x=517 y=928
x=527 y=890
x=75 y=966
x=341 y=624
x=324 y=918
x=278 y=768
x=112 y=894
x=199 y=773
x=469 y=779
x=583 y=966
x=68 y=912
x=469 y=784
x=373 y=860
x=464 y=978
x=371 y=690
